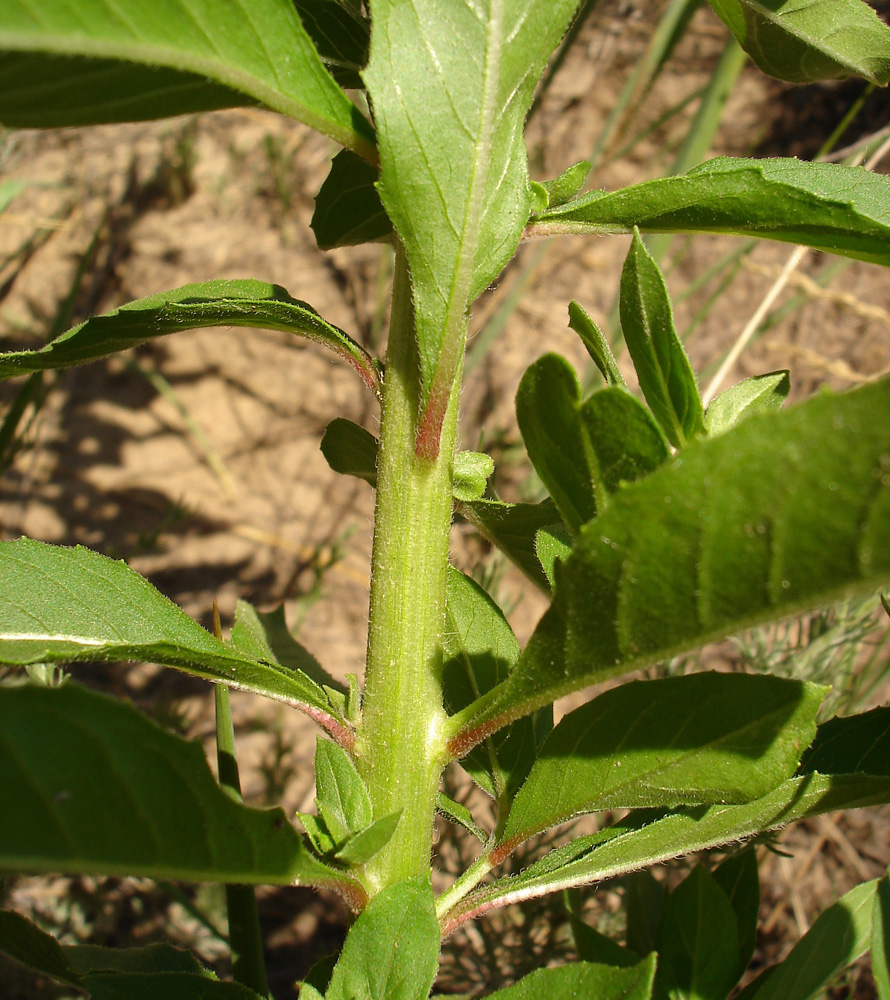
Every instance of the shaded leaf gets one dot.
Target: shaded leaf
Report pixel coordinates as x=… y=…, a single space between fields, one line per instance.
x=760 y=392
x=348 y=210
x=513 y=528
x=697 y=942
x=844 y=210
x=265 y=636
x=839 y=936
x=90 y=785
x=169 y=985
x=361 y=847
x=479 y=650
x=350 y=450
x=59 y=605
x=786 y=511
x=664 y=371
x=341 y=34
x=24 y=942
x=855 y=743
x=450 y=83
x=392 y=950
x=158 y=957
x=596 y=344
x=457 y=813
x=684 y=740
x=341 y=796
x=547 y=412
x=584 y=979
x=262 y=51
x=807 y=40
x=738 y=877
x=212 y=303
x=625 y=442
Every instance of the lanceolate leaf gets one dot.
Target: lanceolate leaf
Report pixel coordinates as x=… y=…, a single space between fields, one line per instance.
x=596 y=344
x=807 y=40
x=839 y=936
x=450 y=82
x=40 y=90
x=169 y=985
x=760 y=392
x=391 y=951
x=89 y=785
x=259 y=49
x=844 y=210
x=59 y=605
x=677 y=741
x=601 y=856
x=513 y=528
x=547 y=411
x=788 y=510
x=27 y=944
x=348 y=210
x=341 y=33
x=342 y=798
x=213 y=303
x=662 y=366
x=584 y=979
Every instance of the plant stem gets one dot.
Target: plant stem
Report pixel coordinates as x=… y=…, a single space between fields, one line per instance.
x=245 y=935
x=400 y=748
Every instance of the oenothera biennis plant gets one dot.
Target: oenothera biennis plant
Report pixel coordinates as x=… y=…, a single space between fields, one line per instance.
x=667 y=525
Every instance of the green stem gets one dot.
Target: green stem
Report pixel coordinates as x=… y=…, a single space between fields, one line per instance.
x=245 y=936
x=400 y=747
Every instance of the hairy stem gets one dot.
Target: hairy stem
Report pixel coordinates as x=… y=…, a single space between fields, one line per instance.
x=400 y=748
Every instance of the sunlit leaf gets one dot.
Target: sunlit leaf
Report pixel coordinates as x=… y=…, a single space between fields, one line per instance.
x=760 y=392
x=213 y=303
x=584 y=979
x=259 y=50
x=844 y=210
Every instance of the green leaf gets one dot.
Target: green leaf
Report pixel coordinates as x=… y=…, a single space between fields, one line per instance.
x=59 y=605
x=341 y=33
x=644 y=898
x=350 y=450
x=360 y=848
x=595 y=947
x=663 y=368
x=262 y=51
x=568 y=184
x=264 y=635
x=584 y=979
x=684 y=740
x=634 y=843
x=807 y=40
x=737 y=876
x=551 y=545
x=760 y=392
x=880 y=940
x=348 y=210
x=212 y=303
x=850 y=745
x=158 y=957
x=480 y=650
x=839 y=936
x=843 y=210
x=625 y=442
x=596 y=344
x=547 y=411
x=787 y=511
x=697 y=943
x=42 y=90
x=513 y=528
x=90 y=785
x=392 y=950
x=342 y=799
x=471 y=472
x=169 y=985
x=26 y=943
x=457 y=813
x=450 y=84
